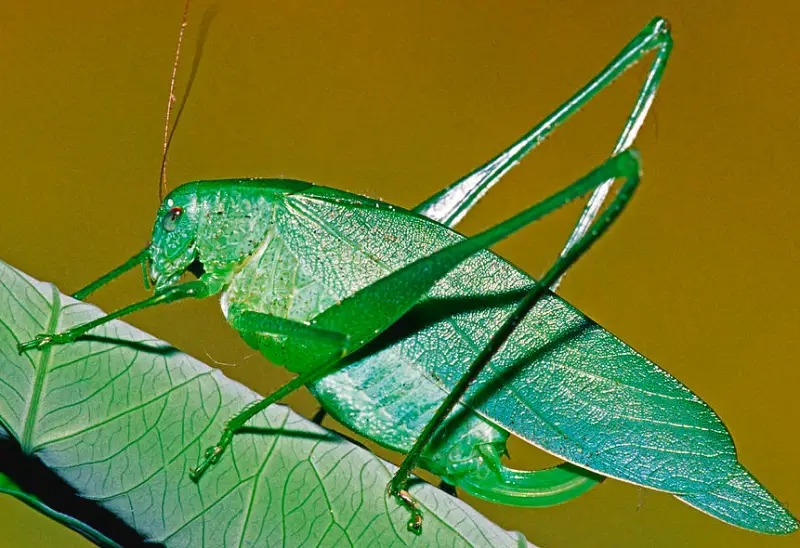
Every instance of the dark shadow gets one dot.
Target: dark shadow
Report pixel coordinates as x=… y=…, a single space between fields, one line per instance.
x=39 y=480
x=300 y=434
x=319 y=416
x=448 y=488
x=433 y=311
x=146 y=347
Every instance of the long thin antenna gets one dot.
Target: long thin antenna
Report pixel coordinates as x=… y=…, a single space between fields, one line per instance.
x=162 y=187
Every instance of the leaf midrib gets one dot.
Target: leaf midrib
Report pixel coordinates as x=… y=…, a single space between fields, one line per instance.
x=40 y=374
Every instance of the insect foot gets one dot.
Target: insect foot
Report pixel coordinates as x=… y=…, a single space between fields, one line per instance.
x=211 y=456
x=42 y=341
x=414 y=523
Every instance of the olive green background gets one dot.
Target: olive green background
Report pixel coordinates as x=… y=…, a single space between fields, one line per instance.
x=395 y=100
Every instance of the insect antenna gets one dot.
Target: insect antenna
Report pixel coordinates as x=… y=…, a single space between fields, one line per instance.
x=162 y=186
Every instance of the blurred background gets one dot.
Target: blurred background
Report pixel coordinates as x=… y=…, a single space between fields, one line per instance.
x=396 y=100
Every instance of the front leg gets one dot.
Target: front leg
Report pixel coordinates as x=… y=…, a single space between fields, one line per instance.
x=196 y=289
x=330 y=345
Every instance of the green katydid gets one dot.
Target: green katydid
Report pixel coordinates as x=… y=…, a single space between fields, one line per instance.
x=425 y=342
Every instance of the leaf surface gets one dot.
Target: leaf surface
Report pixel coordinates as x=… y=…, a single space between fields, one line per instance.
x=121 y=416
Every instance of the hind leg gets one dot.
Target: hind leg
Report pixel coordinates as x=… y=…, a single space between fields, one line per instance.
x=625 y=165
x=451 y=204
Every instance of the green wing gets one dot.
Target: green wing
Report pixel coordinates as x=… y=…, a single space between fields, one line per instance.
x=561 y=382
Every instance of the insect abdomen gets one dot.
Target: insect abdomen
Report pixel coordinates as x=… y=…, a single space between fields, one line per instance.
x=391 y=407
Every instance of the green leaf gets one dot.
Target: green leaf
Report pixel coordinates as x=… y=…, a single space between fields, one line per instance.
x=120 y=417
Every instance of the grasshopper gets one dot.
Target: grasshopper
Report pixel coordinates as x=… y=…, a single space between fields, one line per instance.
x=427 y=343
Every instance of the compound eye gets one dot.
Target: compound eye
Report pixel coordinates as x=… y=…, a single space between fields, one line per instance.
x=171 y=219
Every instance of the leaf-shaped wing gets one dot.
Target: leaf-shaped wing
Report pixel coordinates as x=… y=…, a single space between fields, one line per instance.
x=561 y=381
